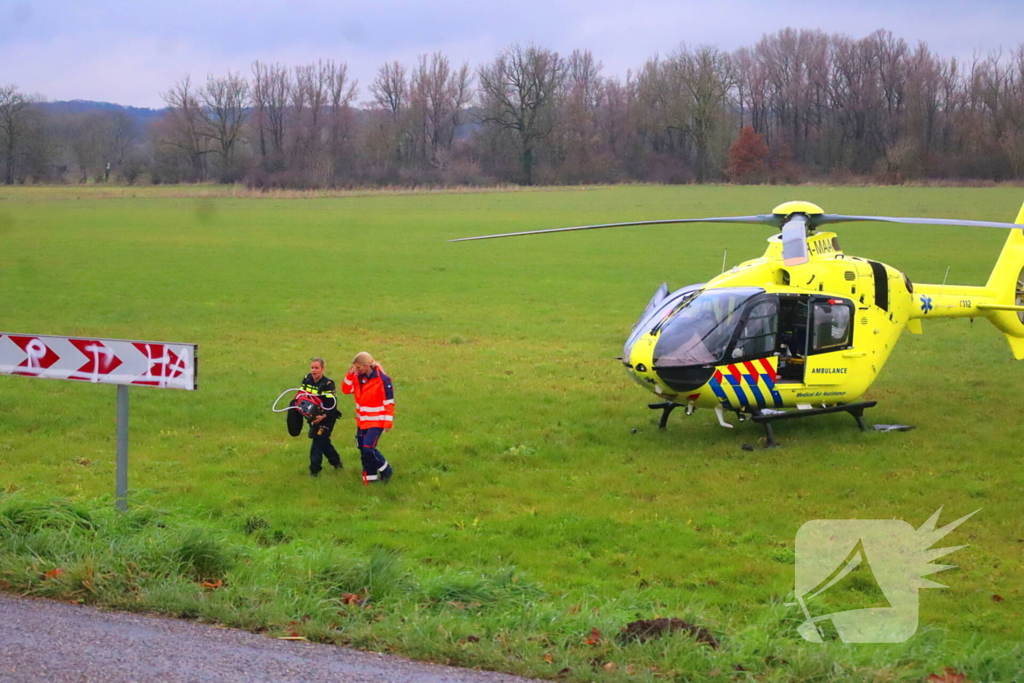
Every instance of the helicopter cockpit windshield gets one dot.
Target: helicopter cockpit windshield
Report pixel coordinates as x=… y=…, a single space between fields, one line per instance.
x=700 y=329
x=660 y=305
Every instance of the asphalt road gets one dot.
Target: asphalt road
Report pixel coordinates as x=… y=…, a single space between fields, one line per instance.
x=43 y=640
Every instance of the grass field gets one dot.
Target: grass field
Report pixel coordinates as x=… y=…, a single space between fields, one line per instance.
x=519 y=440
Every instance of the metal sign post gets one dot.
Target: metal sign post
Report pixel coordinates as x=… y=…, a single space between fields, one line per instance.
x=104 y=361
x=122 y=447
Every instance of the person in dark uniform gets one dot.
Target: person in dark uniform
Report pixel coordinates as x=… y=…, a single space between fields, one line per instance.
x=321 y=426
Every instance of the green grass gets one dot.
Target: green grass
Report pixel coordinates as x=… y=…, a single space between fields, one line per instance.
x=519 y=440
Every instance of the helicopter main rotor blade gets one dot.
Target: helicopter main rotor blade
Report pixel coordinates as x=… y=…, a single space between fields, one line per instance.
x=794 y=241
x=826 y=218
x=768 y=219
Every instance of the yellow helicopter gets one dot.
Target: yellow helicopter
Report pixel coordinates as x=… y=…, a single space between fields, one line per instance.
x=805 y=326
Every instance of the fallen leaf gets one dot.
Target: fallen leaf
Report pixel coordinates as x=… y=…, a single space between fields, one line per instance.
x=611 y=666
x=473 y=639
x=5 y=585
x=948 y=676
x=565 y=672
x=997 y=598
x=350 y=599
x=630 y=669
x=595 y=637
x=212 y=585
x=458 y=605
x=53 y=573
x=548 y=658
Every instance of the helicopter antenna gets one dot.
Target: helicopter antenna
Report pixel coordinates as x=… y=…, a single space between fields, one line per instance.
x=944 y=277
x=724 y=256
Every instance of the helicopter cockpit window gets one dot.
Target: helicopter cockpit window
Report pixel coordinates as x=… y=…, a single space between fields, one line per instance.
x=758 y=332
x=659 y=307
x=658 y=297
x=699 y=330
x=831 y=325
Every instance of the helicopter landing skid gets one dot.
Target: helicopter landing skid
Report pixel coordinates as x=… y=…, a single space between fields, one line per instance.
x=667 y=407
x=854 y=409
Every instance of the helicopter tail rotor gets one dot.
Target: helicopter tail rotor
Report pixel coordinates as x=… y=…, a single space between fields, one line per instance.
x=1006 y=311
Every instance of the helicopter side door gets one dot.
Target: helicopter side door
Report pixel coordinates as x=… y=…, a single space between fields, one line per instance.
x=792 y=345
x=829 y=335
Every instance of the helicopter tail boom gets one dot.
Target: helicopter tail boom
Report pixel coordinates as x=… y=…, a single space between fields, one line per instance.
x=1001 y=300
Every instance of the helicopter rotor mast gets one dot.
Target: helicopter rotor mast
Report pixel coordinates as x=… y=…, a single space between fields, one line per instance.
x=794 y=240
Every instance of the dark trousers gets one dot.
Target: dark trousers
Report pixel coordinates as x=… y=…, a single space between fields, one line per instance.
x=322 y=446
x=374 y=465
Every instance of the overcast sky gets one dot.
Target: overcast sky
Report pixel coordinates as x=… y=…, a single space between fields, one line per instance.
x=130 y=52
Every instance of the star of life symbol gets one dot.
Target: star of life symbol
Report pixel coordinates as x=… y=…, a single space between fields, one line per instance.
x=926 y=304
x=859 y=578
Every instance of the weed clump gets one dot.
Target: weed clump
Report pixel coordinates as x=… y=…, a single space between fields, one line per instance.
x=203 y=555
x=261 y=531
x=499 y=587
x=254 y=525
x=378 y=576
x=29 y=517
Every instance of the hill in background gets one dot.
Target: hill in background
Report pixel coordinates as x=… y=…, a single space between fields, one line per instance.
x=141 y=115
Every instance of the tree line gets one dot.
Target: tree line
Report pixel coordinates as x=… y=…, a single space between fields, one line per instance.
x=797 y=105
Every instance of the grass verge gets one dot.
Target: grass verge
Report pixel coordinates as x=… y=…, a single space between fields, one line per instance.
x=257 y=579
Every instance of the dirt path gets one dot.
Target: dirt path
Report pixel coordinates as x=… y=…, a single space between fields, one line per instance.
x=43 y=640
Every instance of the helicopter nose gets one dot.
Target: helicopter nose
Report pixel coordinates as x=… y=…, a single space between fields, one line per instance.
x=640 y=363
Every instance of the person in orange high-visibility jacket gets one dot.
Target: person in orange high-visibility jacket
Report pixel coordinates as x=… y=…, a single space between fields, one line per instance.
x=375 y=413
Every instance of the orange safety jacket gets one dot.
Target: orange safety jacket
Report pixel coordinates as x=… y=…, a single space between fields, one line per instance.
x=375 y=399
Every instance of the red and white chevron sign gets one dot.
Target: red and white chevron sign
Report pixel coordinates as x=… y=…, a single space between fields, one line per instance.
x=101 y=361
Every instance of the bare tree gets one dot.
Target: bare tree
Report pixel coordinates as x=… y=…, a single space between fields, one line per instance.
x=577 y=136
x=123 y=133
x=390 y=90
x=438 y=95
x=14 y=127
x=613 y=117
x=313 y=81
x=701 y=82
x=185 y=128
x=89 y=142
x=518 y=91
x=343 y=93
x=271 y=92
x=225 y=103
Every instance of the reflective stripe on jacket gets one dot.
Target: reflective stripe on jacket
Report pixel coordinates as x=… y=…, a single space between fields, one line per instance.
x=375 y=399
